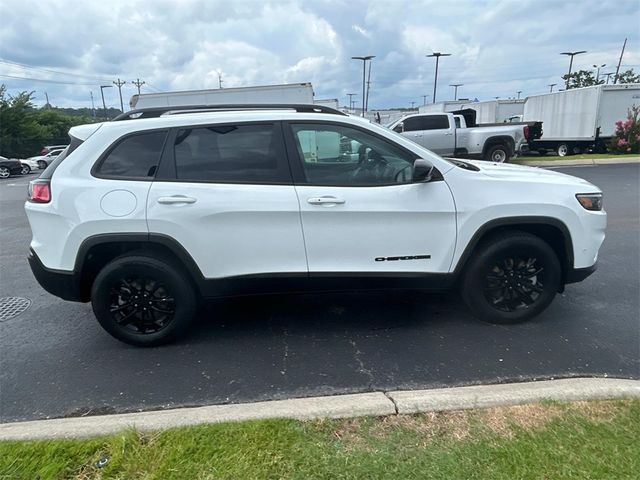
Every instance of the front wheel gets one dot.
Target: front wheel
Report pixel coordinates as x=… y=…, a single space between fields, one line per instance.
x=511 y=278
x=42 y=164
x=143 y=301
x=5 y=172
x=498 y=154
x=562 y=150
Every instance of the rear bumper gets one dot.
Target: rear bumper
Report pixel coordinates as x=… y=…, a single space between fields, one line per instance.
x=576 y=275
x=63 y=284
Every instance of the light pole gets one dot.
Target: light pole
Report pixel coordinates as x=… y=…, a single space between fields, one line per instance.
x=351 y=95
x=435 y=81
x=598 y=71
x=519 y=92
x=571 y=54
x=551 y=85
x=412 y=105
x=608 y=75
x=364 y=73
x=104 y=105
x=424 y=99
x=455 y=92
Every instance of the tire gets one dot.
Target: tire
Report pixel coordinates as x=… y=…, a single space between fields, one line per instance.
x=5 y=172
x=26 y=169
x=42 y=164
x=171 y=300
x=516 y=259
x=562 y=150
x=497 y=154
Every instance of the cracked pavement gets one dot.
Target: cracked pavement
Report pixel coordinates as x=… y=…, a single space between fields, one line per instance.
x=55 y=360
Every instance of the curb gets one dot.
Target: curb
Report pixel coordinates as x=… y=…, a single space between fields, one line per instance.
x=581 y=161
x=338 y=406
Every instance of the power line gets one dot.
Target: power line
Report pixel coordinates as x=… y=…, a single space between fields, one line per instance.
x=48 y=81
x=48 y=70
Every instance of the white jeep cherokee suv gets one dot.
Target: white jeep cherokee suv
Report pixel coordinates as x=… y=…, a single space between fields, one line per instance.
x=145 y=215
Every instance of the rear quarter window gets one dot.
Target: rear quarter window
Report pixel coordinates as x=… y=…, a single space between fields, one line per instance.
x=48 y=172
x=133 y=157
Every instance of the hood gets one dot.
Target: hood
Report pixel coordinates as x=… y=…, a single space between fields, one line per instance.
x=510 y=171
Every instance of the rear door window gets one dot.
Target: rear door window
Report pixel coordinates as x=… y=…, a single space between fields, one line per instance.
x=251 y=154
x=435 y=122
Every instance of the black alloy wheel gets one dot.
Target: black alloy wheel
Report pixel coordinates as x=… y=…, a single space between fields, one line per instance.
x=514 y=283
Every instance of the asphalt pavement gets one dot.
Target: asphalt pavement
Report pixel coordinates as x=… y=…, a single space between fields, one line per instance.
x=55 y=360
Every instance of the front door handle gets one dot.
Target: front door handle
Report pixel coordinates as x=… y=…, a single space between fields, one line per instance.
x=325 y=200
x=176 y=199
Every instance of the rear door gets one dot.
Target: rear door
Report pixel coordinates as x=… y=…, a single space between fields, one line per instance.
x=438 y=135
x=225 y=193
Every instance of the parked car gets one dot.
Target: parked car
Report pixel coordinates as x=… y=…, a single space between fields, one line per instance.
x=9 y=167
x=43 y=161
x=28 y=165
x=448 y=135
x=48 y=148
x=147 y=214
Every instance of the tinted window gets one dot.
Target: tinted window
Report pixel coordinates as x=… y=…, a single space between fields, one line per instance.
x=136 y=156
x=412 y=124
x=340 y=155
x=435 y=122
x=231 y=153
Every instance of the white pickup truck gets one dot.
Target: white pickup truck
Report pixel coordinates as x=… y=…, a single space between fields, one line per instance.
x=447 y=135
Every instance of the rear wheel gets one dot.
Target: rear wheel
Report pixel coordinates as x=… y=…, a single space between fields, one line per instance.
x=562 y=150
x=26 y=169
x=512 y=278
x=143 y=301
x=497 y=153
x=42 y=164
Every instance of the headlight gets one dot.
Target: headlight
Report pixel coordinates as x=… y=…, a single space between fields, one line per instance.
x=590 y=201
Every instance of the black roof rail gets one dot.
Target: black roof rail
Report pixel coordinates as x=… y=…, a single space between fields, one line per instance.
x=154 y=112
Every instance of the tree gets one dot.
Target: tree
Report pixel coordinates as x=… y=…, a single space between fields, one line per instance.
x=628 y=76
x=24 y=129
x=581 y=78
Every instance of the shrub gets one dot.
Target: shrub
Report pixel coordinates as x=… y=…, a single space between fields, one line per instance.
x=626 y=138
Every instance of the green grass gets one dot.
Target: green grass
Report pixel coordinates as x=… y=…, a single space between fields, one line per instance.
x=581 y=156
x=583 y=440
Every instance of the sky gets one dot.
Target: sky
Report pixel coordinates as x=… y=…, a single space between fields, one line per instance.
x=69 y=48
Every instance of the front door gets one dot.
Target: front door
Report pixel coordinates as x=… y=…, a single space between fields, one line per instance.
x=360 y=210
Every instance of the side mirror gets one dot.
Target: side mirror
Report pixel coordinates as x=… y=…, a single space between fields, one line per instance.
x=422 y=171
x=399 y=127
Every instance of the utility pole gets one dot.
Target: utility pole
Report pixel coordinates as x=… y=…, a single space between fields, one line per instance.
x=220 y=80
x=46 y=95
x=93 y=106
x=437 y=55
x=615 y=79
x=455 y=86
x=366 y=103
x=571 y=54
x=119 y=83
x=364 y=72
x=412 y=105
x=351 y=95
x=104 y=105
x=138 y=84
x=551 y=85
x=519 y=92
x=424 y=99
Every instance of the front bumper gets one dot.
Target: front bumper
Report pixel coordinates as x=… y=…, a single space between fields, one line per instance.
x=576 y=275
x=63 y=284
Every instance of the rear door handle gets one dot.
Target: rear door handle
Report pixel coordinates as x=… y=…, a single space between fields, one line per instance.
x=325 y=200
x=176 y=199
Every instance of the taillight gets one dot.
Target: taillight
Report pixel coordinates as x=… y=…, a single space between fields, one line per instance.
x=40 y=191
x=525 y=130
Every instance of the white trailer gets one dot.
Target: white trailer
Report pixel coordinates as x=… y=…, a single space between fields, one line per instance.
x=495 y=111
x=295 y=93
x=580 y=119
x=328 y=102
x=442 y=107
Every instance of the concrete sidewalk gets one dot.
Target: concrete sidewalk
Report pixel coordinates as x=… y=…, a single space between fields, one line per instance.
x=578 y=161
x=338 y=406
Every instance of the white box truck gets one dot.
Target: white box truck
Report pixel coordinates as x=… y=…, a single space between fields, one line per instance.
x=495 y=111
x=294 y=93
x=580 y=119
